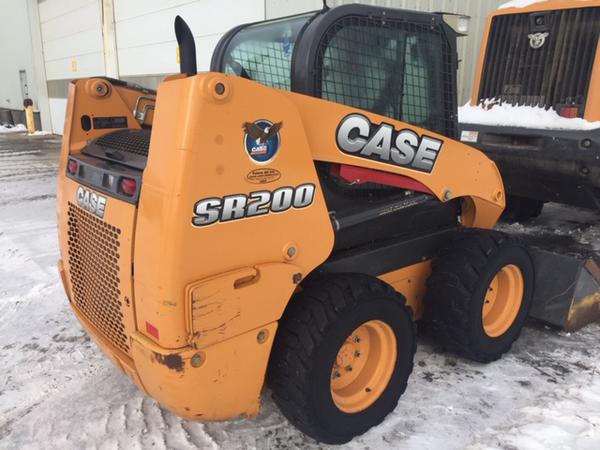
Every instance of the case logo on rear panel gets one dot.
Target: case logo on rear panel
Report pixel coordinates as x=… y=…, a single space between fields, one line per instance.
x=262 y=140
x=357 y=136
x=91 y=202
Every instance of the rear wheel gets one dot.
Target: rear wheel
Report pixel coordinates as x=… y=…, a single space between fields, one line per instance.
x=521 y=209
x=342 y=356
x=479 y=294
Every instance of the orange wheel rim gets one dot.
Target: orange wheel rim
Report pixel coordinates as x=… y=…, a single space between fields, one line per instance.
x=363 y=366
x=502 y=300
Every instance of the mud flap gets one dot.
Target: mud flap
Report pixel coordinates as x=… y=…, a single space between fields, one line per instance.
x=567 y=289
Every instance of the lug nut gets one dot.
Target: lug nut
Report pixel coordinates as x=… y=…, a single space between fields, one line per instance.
x=356 y=339
x=357 y=354
x=348 y=368
x=336 y=374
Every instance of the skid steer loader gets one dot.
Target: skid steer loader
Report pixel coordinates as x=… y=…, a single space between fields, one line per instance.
x=284 y=220
x=543 y=55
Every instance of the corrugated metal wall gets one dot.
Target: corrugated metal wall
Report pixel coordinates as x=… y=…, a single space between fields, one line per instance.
x=468 y=48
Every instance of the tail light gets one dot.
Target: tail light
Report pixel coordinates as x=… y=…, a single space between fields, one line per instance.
x=128 y=186
x=72 y=166
x=570 y=112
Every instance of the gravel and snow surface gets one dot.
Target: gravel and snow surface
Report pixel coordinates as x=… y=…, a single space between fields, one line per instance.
x=58 y=391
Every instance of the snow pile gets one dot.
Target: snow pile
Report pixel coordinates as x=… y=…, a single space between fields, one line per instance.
x=519 y=4
x=521 y=116
x=19 y=128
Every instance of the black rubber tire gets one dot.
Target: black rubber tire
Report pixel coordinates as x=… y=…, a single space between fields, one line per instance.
x=456 y=291
x=314 y=326
x=521 y=209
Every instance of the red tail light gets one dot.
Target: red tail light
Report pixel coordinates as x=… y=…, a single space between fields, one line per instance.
x=570 y=112
x=72 y=166
x=128 y=186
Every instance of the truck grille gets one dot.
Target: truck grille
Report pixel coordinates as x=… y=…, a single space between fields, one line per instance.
x=94 y=273
x=557 y=73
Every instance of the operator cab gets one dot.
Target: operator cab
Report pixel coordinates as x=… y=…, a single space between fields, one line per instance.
x=400 y=64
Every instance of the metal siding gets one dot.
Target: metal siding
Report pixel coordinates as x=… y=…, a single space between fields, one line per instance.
x=15 y=55
x=145 y=28
x=71 y=38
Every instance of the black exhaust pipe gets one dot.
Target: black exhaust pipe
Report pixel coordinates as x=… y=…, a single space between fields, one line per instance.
x=187 y=47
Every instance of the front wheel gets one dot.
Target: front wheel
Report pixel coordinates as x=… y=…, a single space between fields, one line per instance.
x=479 y=294
x=342 y=356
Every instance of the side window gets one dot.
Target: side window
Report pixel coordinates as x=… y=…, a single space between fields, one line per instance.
x=395 y=69
x=269 y=63
x=263 y=52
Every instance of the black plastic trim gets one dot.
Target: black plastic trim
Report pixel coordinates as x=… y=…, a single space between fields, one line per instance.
x=389 y=256
x=131 y=160
x=98 y=174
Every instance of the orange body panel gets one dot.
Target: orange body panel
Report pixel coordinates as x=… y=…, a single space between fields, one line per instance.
x=205 y=301
x=410 y=281
x=481 y=183
x=592 y=110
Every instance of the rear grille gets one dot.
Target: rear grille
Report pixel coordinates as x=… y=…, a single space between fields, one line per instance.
x=555 y=74
x=94 y=270
x=128 y=141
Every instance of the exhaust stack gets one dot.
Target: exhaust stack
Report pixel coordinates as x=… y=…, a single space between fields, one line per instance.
x=187 y=47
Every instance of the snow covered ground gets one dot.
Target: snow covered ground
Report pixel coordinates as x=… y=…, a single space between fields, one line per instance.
x=19 y=128
x=58 y=391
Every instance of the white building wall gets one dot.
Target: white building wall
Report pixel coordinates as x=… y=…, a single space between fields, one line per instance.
x=15 y=55
x=72 y=44
x=72 y=38
x=146 y=42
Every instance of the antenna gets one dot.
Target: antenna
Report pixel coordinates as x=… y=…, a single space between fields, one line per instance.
x=325 y=6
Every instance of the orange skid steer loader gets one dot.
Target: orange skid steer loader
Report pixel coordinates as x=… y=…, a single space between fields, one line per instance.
x=273 y=222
